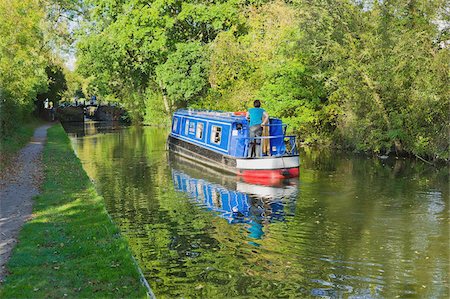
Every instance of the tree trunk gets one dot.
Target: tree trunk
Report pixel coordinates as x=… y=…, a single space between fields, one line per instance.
x=167 y=105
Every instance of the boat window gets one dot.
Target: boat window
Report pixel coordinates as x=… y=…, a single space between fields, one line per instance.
x=175 y=124
x=199 y=133
x=216 y=135
x=192 y=128
x=186 y=129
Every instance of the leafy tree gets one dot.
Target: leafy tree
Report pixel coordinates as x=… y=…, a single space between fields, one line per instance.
x=22 y=64
x=127 y=41
x=57 y=84
x=267 y=63
x=183 y=77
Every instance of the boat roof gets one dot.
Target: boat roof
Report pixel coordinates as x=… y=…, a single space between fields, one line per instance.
x=211 y=114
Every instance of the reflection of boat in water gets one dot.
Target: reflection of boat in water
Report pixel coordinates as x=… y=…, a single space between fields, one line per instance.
x=232 y=199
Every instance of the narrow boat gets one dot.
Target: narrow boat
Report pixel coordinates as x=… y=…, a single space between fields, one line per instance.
x=221 y=140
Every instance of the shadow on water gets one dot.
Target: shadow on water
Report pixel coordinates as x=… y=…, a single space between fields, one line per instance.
x=350 y=226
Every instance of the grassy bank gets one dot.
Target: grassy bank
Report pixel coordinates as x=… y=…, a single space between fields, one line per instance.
x=10 y=145
x=70 y=247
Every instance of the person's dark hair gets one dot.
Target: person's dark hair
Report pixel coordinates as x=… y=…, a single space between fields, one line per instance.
x=257 y=103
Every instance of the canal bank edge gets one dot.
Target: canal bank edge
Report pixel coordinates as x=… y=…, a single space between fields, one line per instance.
x=70 y=248
x=142 y=278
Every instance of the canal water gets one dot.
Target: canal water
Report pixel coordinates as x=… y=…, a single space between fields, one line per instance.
x=349 y=227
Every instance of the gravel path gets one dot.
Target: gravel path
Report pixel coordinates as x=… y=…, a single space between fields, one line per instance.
x=19 y=183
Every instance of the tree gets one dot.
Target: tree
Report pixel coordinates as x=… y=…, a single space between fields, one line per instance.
x=22 y=62
x=382 y=67
x=57 y=84
x=183 y=77
x=125 y=42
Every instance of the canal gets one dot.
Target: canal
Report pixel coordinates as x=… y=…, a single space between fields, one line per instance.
x=350 y=226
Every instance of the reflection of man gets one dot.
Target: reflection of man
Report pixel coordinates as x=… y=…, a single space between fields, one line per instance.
x=258 y=119
x=257 y=213
x=255 y=231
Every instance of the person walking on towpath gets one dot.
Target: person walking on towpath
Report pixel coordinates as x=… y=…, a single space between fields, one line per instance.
x=258 y=119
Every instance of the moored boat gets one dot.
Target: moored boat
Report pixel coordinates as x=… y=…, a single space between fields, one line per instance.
x=221 y=140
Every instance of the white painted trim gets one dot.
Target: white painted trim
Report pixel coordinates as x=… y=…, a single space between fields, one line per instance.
x=195 y=139
x=268 y=163
x=208 y=121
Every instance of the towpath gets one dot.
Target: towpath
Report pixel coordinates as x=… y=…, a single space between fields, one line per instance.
x=19 y=183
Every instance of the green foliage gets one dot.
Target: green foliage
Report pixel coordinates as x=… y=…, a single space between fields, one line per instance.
x=75 y=87
x=32 y=31
x=133 y=103
x=57 y=85
x=22 y=64
x=229 y=62
x=125 y=43
x=370 y=76
x=293 y=94
x=22 y=68
x=155 y=112
x=383 y=67
x=266 y=62
x=183 y=77
x=240 y=59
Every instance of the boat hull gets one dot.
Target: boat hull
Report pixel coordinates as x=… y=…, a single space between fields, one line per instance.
x=252 y=168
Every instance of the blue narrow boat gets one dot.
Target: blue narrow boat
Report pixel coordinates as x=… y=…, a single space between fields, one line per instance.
x=221 y=140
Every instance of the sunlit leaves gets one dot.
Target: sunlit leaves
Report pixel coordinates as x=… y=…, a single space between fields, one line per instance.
x=380 y=64
x=127 y=42
x=22 y=60
x=22 y=67
x=184 y=75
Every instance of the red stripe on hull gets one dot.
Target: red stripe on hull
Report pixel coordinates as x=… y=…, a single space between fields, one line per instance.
x=269 y=173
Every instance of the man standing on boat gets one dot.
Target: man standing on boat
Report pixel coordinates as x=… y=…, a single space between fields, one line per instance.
x=258 y=119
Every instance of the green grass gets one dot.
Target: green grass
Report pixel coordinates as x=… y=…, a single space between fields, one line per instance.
x=70 y=248
x=10 y=145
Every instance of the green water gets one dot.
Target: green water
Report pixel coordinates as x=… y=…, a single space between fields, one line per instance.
x=349 y=227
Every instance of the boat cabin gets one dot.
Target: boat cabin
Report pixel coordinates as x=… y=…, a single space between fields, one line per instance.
x=225 y=132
